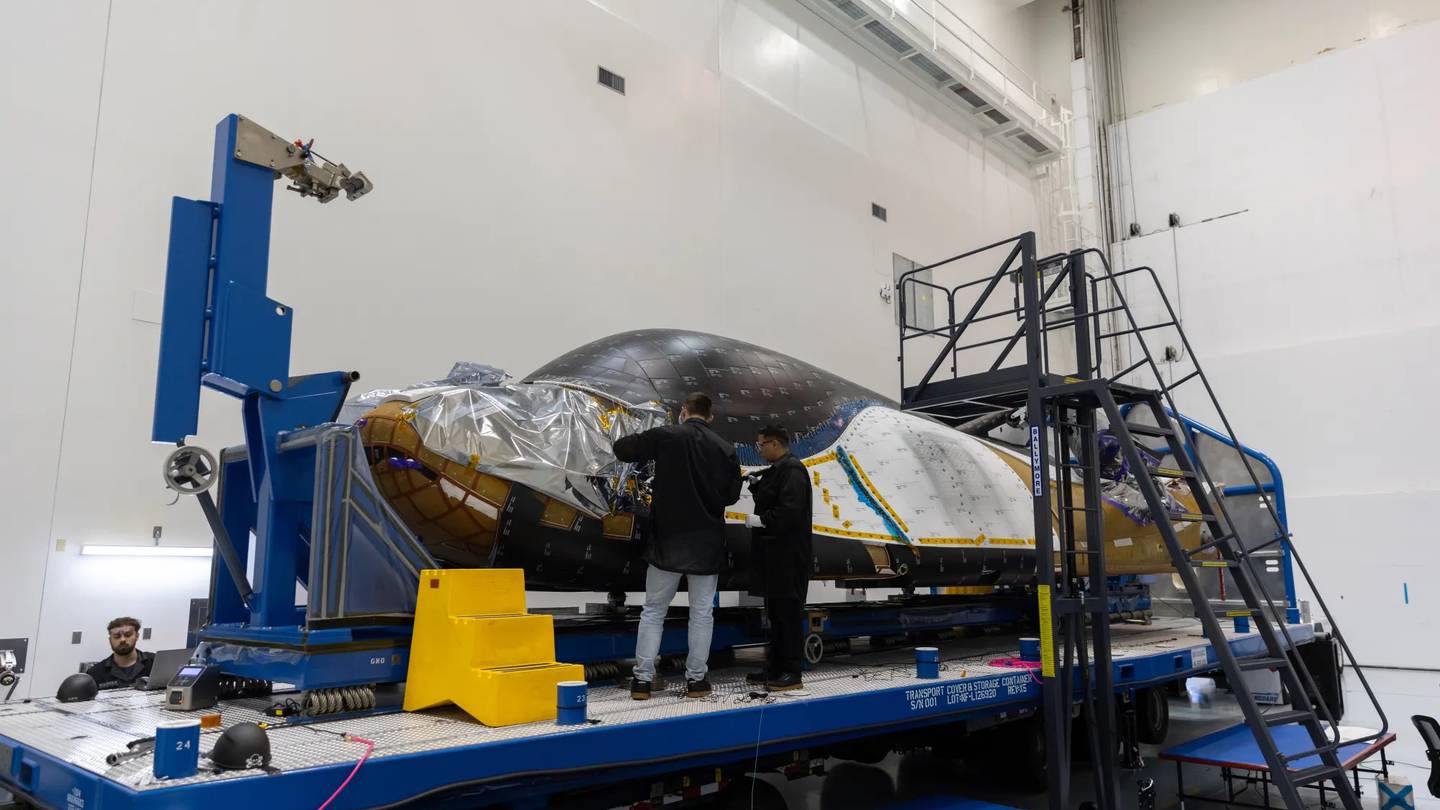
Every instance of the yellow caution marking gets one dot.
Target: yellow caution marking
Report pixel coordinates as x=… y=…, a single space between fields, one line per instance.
x=1212 y=564
x=848 y=533
x=873 y=491
x=982 y=540
x=811 y=462
x=835 y=510
x=1047 y=633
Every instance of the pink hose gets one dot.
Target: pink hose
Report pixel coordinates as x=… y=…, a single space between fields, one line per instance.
x=369 y=747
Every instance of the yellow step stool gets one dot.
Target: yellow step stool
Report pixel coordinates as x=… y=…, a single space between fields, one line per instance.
x=475 y=646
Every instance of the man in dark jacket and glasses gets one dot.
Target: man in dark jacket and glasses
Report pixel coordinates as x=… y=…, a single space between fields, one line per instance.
x=697 y=475
x=780 y=556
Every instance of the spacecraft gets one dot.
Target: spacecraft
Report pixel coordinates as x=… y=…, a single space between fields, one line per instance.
x=493 y=472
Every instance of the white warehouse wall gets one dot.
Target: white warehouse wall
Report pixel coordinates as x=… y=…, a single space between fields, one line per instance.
x=1173 y=50
x=520 y=209
x=1313 y=305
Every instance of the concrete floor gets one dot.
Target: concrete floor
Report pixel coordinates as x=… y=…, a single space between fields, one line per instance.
x=921 y=775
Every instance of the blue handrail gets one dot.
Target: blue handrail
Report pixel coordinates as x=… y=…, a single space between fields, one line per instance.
x=1276 y=488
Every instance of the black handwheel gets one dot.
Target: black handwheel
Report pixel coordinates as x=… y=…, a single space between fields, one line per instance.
x=190 y=470
x=814 y=648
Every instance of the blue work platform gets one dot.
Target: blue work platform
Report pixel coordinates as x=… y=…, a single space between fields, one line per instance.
x=1234 y=751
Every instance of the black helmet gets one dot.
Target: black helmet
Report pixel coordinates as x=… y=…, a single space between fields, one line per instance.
x=241 y=747
x=76 y=688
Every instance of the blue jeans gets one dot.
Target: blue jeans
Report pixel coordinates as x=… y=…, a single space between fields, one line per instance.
x=660 y=588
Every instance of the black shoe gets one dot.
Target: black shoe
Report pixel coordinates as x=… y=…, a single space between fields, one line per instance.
x=697 y=689
x=639 y=690
x=759 y=678
x=785 y=682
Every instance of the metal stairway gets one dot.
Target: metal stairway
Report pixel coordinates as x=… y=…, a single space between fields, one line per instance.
x=1063 y=442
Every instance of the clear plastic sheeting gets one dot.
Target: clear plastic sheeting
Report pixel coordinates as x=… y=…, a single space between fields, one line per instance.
x=555 y=438
x=463 y=373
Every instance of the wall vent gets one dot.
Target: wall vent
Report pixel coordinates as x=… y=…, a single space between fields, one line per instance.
x=1034 y=143
x=997 y=116
x=888 y=37
x=879 y=212
x=612 y=80
x=969 y=95
x=849 y=9
x=933 y=70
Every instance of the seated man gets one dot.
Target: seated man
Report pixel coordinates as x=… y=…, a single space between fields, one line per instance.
x=125 y=665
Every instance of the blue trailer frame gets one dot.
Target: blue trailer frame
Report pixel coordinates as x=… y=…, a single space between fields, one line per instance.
x=525 y=770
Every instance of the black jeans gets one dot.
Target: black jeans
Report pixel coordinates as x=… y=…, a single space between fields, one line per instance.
x=787 y=635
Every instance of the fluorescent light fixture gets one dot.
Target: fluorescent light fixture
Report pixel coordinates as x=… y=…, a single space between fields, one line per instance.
x=145 y=551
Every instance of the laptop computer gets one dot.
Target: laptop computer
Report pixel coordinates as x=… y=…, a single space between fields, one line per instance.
x=166 y=664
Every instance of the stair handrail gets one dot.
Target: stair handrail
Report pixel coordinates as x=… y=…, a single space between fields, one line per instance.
x=1208 y=479
x=1283 y=535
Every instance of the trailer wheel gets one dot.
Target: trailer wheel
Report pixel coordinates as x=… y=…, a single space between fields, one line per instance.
x=814 y=648
x=1152 y=710
x=1029 y=753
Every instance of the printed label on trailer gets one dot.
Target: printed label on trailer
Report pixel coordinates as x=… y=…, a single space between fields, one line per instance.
x=1035 y=457
x=947 y=695
x=1200 y=657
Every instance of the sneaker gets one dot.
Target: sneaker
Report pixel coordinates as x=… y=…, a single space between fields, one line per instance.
x=785 y=682
x=758 y=678
x=697 y=689
x=639 y=690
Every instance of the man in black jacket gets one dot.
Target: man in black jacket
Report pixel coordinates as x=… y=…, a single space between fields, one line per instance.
x=125 y=665
x=697 y=475
x=780 y=555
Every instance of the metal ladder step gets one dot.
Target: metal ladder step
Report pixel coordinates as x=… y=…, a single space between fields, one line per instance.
x=1209 y=544
x=1289 y=716
x=1191 y=517
x=1167 y=472
x=1318 y=773
x=1252 y=664
x=1148 y=430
